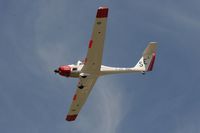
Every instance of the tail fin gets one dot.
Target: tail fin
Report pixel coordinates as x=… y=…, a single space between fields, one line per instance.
x=147 y=60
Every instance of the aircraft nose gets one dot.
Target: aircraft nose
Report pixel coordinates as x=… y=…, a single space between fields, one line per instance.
x=56 y=71
x=64 y=70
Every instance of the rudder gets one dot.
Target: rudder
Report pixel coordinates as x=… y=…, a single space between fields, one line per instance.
x=147 y=60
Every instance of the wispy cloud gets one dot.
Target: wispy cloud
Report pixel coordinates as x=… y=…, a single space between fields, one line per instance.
x=37 y=37
x=188 y=124
x=104 y=110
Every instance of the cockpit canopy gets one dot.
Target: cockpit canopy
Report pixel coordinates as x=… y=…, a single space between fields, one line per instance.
x=79 y=62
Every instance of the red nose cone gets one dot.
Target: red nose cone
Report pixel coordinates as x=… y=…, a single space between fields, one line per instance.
x=65 y=70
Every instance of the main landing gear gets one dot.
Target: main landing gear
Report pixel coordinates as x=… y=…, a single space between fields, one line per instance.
x=80 y=86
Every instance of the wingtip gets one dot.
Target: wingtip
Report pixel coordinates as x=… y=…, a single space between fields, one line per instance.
x=71 y=117
x=103 y=7
x=102 y=12
x=152 y=42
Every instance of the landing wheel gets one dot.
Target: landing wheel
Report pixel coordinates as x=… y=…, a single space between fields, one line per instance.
x=84 y=76
x=81 y=87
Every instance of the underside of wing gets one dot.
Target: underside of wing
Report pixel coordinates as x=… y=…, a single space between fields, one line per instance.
x=84 y=87
x=95 y=49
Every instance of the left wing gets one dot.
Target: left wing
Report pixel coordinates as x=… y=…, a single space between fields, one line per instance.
x=83 y=90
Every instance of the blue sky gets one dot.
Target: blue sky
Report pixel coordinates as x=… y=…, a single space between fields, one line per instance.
x=38 y=36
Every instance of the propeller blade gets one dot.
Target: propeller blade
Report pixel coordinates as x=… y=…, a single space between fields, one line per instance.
x=56 y=71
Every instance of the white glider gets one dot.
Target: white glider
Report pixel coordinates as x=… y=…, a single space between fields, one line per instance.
x=91 y=68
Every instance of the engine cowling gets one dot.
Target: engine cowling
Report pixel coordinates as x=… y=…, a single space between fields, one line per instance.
x=64 y=70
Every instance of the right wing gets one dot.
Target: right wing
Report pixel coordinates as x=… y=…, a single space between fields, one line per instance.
x=92 y=64
x=95 y=49
x=84 y=87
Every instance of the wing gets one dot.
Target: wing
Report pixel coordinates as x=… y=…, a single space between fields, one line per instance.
x=84 y=87
x=95 y=49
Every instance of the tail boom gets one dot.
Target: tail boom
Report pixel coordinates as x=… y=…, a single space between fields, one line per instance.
x=105 y=70
x=145 y=63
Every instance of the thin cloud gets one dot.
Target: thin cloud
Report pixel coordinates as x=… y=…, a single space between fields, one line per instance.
x=104 y=110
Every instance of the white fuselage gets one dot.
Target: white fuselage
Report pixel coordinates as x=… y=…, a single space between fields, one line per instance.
x=104 y=70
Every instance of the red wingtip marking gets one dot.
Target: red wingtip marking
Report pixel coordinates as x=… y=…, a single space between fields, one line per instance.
x=102 y=12
x=74 y=98
x=90 y=44
x=71 y=117
x=152 y=62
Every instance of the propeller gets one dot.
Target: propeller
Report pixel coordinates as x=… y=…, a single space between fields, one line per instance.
x=56 y=71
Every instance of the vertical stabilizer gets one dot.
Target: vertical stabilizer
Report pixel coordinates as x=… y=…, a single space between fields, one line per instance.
x=147 y=60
